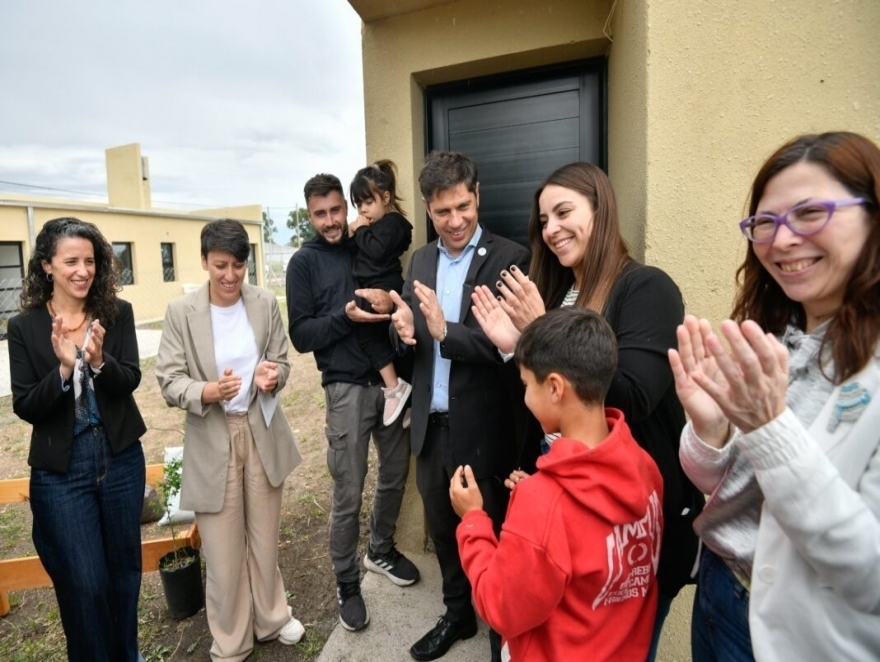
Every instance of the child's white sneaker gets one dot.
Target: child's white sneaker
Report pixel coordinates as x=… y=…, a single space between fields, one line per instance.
x=395 y=401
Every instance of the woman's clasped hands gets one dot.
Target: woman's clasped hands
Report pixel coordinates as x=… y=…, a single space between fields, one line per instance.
x=504 y=318
x=266 y=376
x=228 y=385
x=744 y=385
x=66 y=350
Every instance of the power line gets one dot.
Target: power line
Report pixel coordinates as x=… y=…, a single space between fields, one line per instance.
x=50 y=188
x=164 y=202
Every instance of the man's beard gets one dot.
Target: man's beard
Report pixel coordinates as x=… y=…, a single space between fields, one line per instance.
x=343 y=237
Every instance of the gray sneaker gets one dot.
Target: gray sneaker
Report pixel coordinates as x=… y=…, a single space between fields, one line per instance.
x=353 y=613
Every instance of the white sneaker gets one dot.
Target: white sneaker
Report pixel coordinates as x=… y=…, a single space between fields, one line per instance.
x=395 y=401
x=292 y=632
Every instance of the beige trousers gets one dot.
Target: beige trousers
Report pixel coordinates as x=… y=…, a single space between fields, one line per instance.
x=244 y=596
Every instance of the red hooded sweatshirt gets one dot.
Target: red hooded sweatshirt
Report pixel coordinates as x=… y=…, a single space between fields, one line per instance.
x=573 y=576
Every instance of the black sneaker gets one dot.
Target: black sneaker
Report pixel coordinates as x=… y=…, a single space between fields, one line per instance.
x=394 y=565
x=352 y=610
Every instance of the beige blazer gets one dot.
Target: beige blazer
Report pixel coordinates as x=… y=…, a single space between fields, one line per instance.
x=186 y=364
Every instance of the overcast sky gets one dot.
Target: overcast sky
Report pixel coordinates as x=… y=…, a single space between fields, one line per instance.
x=233 y=102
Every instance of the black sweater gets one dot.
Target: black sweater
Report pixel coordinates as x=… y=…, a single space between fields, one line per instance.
x=378 y=249
x=644 y=309
x=319 y=284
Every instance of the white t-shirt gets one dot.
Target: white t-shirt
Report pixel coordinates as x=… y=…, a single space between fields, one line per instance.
x=235 y=346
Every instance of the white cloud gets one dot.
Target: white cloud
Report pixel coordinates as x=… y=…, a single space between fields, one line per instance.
x=233 y=103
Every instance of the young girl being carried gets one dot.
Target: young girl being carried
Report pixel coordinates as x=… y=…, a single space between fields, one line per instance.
x=381 y=235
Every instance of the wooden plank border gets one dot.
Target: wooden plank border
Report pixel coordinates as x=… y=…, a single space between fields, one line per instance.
x=28 y=572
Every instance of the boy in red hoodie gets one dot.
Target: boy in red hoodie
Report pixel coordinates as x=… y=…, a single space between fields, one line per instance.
x=573 y=575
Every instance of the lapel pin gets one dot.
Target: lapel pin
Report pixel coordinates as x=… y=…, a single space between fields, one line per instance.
x=851 y=402
x=481 y=251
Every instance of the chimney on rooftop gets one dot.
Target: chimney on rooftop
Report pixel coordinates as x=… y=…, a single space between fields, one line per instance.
x=128 y=177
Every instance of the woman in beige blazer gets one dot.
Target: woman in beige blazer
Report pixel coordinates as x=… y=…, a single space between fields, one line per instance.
x=223 y=359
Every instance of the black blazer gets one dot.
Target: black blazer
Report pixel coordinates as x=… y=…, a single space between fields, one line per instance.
x=481 y=385
x=38 y=398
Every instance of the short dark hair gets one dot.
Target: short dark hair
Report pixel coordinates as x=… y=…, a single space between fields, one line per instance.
x=446 y=170
x=322 y=184
x=228 y=236
x=37 y=289
x=576 y=343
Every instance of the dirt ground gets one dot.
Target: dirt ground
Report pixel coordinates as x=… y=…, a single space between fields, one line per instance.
x=32 y=631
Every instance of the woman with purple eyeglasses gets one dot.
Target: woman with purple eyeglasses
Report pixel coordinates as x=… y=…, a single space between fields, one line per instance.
x=785 y=424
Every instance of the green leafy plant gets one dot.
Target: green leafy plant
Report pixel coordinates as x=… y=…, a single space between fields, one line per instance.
x=170 y=488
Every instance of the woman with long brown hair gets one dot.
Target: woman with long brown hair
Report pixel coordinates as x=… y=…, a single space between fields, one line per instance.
x=579 y=258
x=784 y=424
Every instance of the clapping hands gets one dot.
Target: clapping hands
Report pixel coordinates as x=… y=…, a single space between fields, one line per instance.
x=745 y=386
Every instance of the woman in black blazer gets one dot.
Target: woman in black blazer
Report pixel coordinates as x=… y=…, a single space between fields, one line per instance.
x=74 y=366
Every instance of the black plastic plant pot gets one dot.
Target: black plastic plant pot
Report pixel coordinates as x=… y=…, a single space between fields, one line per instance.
x=182 y=583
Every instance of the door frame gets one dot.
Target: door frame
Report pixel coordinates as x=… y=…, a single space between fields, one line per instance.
x=534 y=79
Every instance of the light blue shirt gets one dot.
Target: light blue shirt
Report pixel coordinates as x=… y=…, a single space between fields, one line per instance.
x=451 y=274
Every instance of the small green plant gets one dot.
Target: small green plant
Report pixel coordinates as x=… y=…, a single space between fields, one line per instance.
x=170 y=488
x=158 y=654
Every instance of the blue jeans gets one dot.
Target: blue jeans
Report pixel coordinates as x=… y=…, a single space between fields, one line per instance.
x=664 y=604
x=87 y=533
x=720 y=619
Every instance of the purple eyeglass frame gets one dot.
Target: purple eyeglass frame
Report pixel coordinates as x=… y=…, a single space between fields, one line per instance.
x=830 y=205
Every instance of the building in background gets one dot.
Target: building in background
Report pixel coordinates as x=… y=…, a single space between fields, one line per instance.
x=159 y=249
x=680 y=101
x=275 y=259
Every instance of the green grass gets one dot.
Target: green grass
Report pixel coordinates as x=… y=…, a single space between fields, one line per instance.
x=35 y=640
x=14 y=527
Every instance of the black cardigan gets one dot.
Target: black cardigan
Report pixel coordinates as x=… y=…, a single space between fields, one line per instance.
x=644 y=308
x=379 y=247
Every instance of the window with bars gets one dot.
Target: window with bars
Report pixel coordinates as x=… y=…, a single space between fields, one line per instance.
x=252 y=265
x=123 y=253
x=168 y=275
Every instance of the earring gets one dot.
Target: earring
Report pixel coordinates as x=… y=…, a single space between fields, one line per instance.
x=48 y=276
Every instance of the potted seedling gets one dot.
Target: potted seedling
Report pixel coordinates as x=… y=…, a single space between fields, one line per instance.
x=180 y=569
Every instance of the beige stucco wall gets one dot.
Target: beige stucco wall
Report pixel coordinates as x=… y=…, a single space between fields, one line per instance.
x=149 y=295
x=728 y=82
x=699 y=93
x=452 y=42
x=628 y=119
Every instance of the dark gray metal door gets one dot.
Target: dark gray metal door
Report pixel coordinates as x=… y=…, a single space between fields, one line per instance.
x=519 y=128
